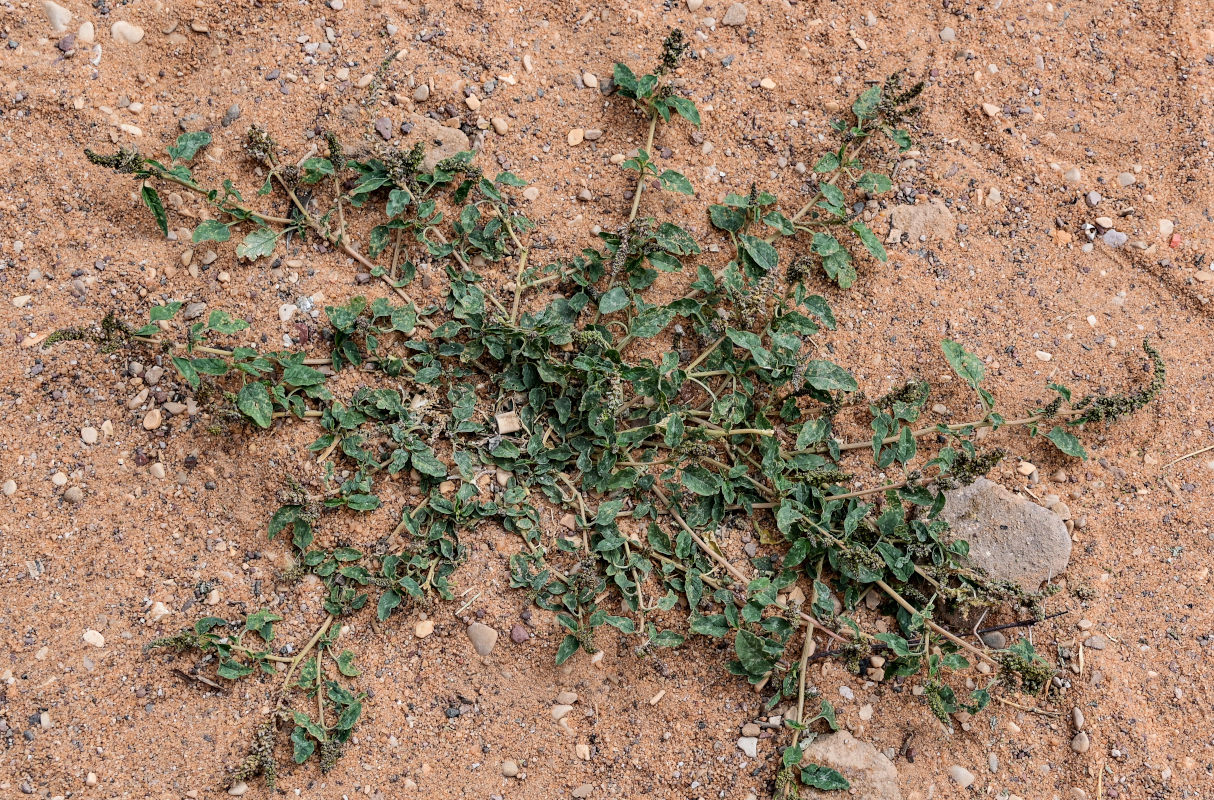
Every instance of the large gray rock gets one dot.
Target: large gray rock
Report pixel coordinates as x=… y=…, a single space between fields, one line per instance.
x=1009 y=537
x=872 y=775
x=441 y=142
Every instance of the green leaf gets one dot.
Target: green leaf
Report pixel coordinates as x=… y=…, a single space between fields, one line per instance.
x=614 y=300
x=262 y=623
x=715 y=625
x=824 y=778
x=569 y=644
x=675 y=182
x=780 y=222
x=964 y=363
x=388 y=601
x=626 y=79
x=233 y=670
x=752 y=653
x=751 y=342
x=211 y=230
x=673 y=239
x=257 y=244
x=221 y=322
x=316 y=169
x=1066 y=442
x=685 y=108
x=865 y=106
x=398 y=200
x=827 y=163
x=874 y=183
x=305 y=722
x=187 y=371
x=166 y=311
x=827 y=376
x=152 y=200
x=700 y=481
x=207 y=624
x=302 y=745
x=791 y=756
x=727 y=218
x=345 y=664
x=254 y=402
x=870 y=241
x=188 y=145
x=762 y=253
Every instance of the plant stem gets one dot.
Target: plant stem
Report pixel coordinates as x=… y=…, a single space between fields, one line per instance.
x=900 y=600
x=640 y=187
x=266 y=218
x=807 y=650
x=286 y=683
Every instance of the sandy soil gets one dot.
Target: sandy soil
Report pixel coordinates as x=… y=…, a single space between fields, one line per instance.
x=1108 y=89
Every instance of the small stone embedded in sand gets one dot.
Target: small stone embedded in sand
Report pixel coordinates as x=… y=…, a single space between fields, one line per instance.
x=1081 y=743
x=152 y=420
x=509 y=769
x=560 y=711
x=89 y=435
x=423 y=628
x=961 y=776
x=575 y=137
x=483 y=638
x=947 y=34
x=127 y=33
x=735 y=15
x=56 y=15
x=500 y=125
x=990 y=109
x=749 y=745
x=94 y=638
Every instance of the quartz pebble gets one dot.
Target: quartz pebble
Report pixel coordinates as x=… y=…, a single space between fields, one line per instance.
x=89 y=435
x=735 y=15
x=509 y=769
x=961 y=776
x=560 y=711
x=947 y=34
x=749 y=745
x=576 y=137
x=126 y=33
x=423 y=628
x=94 y=638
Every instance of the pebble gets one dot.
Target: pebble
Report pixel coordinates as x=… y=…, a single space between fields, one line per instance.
x=1081 y=743
x=590 y=79
x=238 y=788
x=749 y=745
x=994 y=640
x=86 y=33
x=559 y=712
x=1126 y=179
x=286 y=311
x=531 y=193
x=566 y=698
x=1096 y=642
x=961 y=776
x=767 y=83
x=695 y=5
x=89 y=435
x=158 y=612
x=866 y=712
x=500 y=125
x=127 y=33
x=1072 y=175
x=383 y=126
x=584 y=790
x=1043 y=356
x=152 y=420
x=1166 y=226
x=422 y=93
x=94 y=638
x=74 y=494
x=509 y=769
x=947 y=35
x=483 y=638
x=1093 y=199
x=22 y=300
x=9 y=487
x=519 y=634
x=1114 y=238
x=751 y=729
x=423 y=628
x=57 y=15
x=991 y=109
x=576 y=136
x=735 y=15
x=992 y=761
x=90 y=779
x=1077 y=718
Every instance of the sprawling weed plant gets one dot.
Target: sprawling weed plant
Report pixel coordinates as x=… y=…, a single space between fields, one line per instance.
x=657 y=428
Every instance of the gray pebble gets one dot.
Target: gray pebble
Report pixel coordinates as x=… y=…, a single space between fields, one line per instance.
x=1081 y=743
x=1096 y=642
